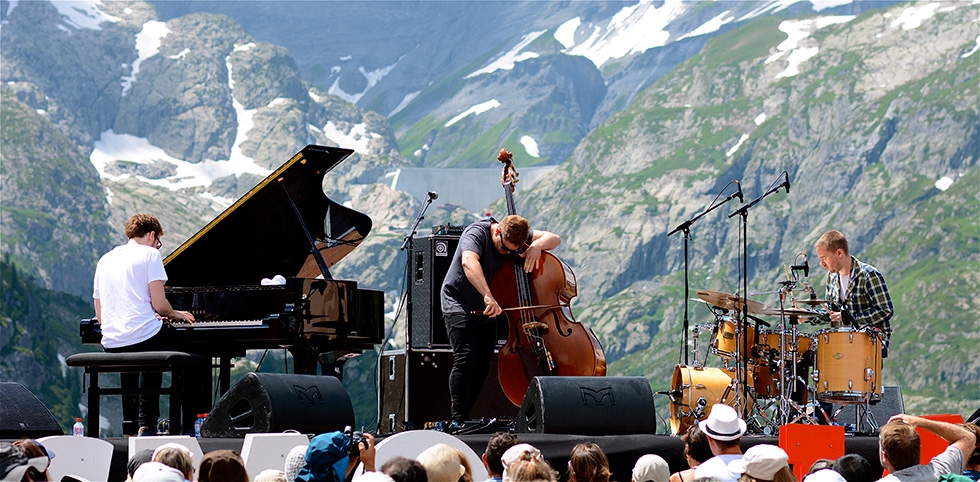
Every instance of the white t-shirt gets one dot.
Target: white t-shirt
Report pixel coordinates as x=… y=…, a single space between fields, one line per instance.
x=717 y=467
x=122 y=286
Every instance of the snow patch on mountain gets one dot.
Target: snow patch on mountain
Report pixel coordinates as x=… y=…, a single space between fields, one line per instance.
x=112 y=147
x=148 y=42
x=796 y=31
x=475 y=110
x=82 y=14
x=510 y=58
x=632 y=30
x=710 y=26
x=372 y=76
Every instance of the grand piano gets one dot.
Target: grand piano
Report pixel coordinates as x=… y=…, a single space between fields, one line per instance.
x=272 y=230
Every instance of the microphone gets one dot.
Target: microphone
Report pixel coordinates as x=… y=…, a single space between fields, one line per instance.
x=739 y=193
x=434 y=195
x=805 y=267
x=786 y=183
x=670 y=393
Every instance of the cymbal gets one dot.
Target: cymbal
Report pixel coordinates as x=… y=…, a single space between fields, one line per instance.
x=811 y=302
x=731 y=302
x=790 y=312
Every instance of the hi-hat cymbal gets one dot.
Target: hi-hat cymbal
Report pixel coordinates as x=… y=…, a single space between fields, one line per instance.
x=732 y=302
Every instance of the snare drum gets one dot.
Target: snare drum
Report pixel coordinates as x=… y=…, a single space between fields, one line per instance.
x=848 y=366
x=724 y=343
x=701 y=388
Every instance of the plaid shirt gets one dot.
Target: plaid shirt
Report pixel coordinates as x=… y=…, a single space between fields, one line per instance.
x=867 y=301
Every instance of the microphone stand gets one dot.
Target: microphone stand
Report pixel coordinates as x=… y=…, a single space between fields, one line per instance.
x=743 y=366
x=407 y=242
x=686 y=227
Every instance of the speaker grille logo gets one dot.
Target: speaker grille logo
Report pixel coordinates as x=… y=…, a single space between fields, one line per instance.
x=442 y=248
x=598 y=397
x=309 y=395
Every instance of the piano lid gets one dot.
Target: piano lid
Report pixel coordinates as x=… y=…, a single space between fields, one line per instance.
x=260 y=237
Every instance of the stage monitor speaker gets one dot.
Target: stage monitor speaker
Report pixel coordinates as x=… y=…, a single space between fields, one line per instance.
x=588 y=406
x=411 y=398
x=22 y=415
x=275 y=402
x=430 y=259
x=891 y=404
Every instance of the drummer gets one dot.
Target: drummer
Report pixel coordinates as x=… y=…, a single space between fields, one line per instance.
x=856 y=291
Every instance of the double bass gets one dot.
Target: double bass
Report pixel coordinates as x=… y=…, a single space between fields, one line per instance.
x=543 y=337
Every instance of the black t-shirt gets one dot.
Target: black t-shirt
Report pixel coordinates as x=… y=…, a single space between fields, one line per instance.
x=457 y=294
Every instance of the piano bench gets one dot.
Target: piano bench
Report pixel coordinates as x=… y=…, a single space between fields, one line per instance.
x=95 y=363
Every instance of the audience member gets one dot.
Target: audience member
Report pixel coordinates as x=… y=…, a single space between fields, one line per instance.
x=366 y=452
x=855 y=468
x=34 y=449
x=176 y=456
x=899 y=449
x=763 y=463
x=467 y=470
x=496 y=446
x=294 y=462
x=724 y=430
x=587 y=463
x=157 y=472
x=531 y=469
x=971 y=468
x=518 y=452
x=822 y=470
x=373 y=477
x=138 y=459
x=821 y=464
x=15 y=465
x=403 y=469
x=441 y=463
x=271 y=475
x=326 y=459
x=696 y=451
x=222 y=466
x=651 y=468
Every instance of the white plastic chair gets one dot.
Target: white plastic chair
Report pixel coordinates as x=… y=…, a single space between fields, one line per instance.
x=262 y=451
x=85 y=457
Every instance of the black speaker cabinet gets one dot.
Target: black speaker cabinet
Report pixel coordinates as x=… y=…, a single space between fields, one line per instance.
x=891 y=403
x=274 y=402
x=588 y=406
x=430 y=258
x=22 y=415
x=417 y=392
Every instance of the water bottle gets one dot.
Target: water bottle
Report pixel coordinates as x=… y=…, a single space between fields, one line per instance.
x=78 y=429
x=198 y=423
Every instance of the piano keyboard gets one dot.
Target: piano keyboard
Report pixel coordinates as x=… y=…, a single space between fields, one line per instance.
x=216 y=324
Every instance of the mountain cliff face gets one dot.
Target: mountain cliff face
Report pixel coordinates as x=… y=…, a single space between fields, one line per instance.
x=872 y=113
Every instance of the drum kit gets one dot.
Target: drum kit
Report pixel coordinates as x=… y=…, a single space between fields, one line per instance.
x=774 y=376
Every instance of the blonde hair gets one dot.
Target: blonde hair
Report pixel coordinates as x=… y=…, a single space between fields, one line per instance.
x=177 y=458
x=833 y=240
x=783 y=475
x=531 y=469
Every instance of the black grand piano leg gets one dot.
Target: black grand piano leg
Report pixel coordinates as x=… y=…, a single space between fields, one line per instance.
x=304 y=359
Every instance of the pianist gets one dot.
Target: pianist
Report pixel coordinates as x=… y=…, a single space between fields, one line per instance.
x=130 y=305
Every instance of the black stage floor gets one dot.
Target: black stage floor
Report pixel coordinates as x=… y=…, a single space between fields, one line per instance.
x=622 y=450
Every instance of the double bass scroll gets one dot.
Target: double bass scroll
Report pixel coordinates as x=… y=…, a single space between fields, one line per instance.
x=543 y=336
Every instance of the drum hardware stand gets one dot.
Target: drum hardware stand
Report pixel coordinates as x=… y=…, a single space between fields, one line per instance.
x=686 y=227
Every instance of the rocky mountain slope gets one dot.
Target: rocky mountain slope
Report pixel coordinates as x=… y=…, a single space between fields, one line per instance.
x=114 y=108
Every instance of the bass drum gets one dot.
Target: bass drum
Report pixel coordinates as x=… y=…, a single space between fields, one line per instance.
x=701 y=388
